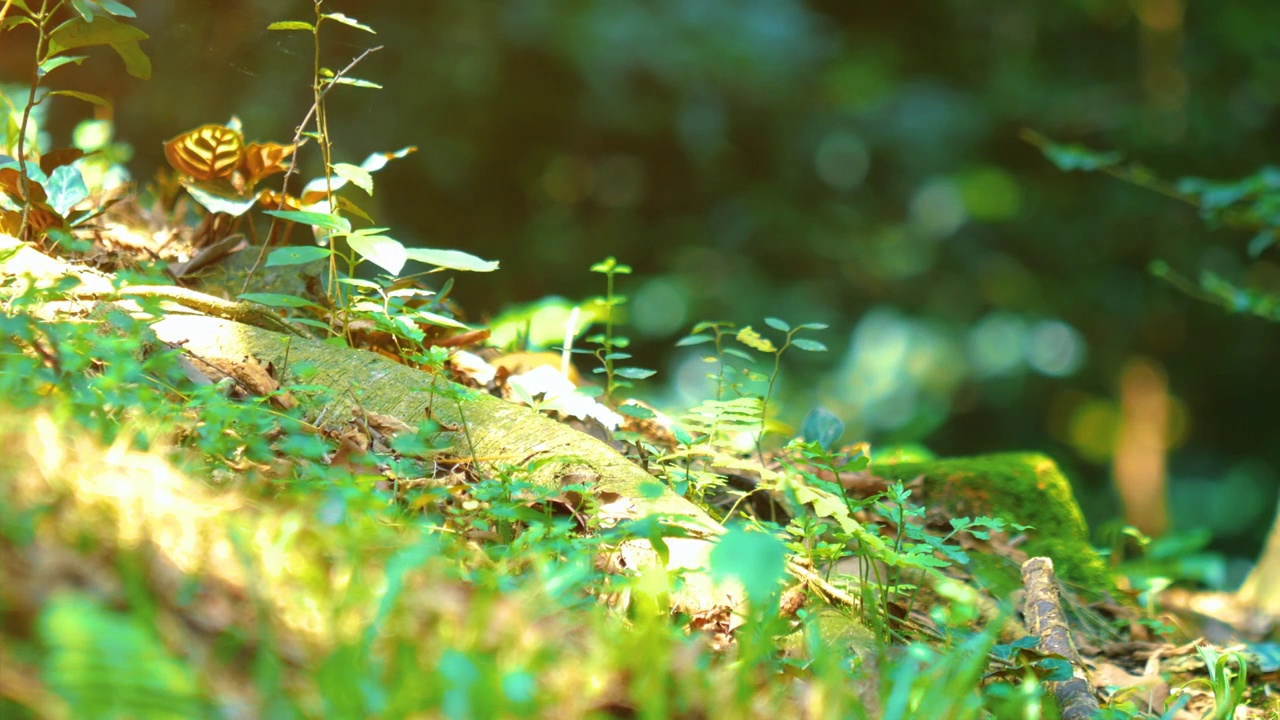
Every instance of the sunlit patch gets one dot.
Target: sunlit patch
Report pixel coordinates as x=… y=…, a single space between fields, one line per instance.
x=182 y=529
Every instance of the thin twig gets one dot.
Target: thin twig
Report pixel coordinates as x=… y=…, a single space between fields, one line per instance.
x=293 y=159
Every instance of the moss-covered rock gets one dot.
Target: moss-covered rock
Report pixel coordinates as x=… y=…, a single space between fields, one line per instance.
x=1026 y=488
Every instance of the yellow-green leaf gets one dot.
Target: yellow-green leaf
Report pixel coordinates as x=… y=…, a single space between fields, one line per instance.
x=356 y=175
x=755 y=341
x=291 y=25
x=87 y=97
x=349 y=22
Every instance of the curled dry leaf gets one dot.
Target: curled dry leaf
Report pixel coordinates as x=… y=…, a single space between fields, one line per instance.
x=207 y=153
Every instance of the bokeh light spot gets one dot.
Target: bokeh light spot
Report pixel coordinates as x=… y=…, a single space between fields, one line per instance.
x=842 y=161
x=1093 y=429
x=1055 y=348
x=660 y=307
x=567 y=179
x=997 y=344
x=990 y=194
x=619 y=181
x=938 y=208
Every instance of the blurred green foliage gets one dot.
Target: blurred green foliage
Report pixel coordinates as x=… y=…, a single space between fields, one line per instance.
x=853 y=164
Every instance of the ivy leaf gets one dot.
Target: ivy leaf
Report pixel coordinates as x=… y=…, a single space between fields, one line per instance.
x=65 y=188
x=823 y=427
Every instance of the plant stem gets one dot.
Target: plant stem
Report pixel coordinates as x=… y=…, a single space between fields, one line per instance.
x=41 y=42
x=608 y=337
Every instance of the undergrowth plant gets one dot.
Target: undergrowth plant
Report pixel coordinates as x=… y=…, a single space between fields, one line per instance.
x=611 y=346
x=419 y=581
x=38 y=191
x=1249 y=204
x=749 y=390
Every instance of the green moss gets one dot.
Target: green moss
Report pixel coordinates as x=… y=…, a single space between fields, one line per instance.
x=1026 y=488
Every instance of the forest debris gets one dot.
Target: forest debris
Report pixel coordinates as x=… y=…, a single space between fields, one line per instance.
x=1046 y=621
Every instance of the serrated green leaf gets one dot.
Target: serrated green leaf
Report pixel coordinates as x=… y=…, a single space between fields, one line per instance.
x=634 y=373
x=53 y=63
x=292 y=25
x=87 y=97
x=441 y=320
x=297 y=255
x=1076 y=157
x=361 y=283
x=78 y=32
x=356 y=175
x=357 y=82
x=452 y=260
x=84 y=7
x=808 y=345
x=387 y=253
x=330 y=221
x=14 y=21
x=116 y=8
x=277 y=300
x=349 y=22
x=638 y=412
x=410 y=293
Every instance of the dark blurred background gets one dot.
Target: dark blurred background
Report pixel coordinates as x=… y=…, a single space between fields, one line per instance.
x=857 y=164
